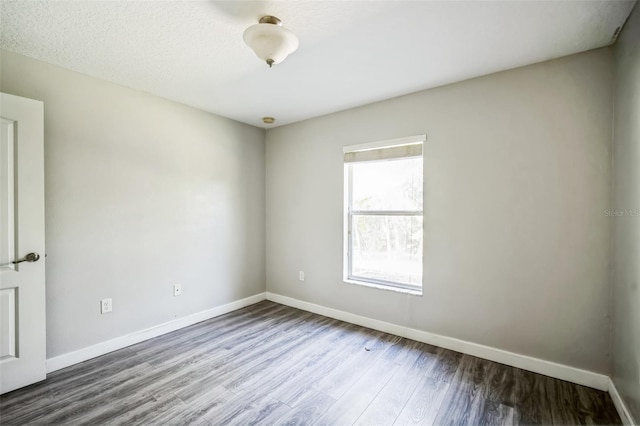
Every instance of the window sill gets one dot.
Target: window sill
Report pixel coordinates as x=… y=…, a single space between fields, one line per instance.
x=383 y=287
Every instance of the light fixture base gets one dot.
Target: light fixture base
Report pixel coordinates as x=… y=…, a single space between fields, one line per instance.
x=268 y=19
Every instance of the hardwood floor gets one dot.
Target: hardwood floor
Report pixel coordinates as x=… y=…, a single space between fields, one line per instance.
x=271 y=364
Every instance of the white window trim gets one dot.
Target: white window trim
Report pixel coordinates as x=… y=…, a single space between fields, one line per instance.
x=348 y=183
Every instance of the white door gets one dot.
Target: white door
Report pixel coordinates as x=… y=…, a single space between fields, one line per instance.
x=22 y=280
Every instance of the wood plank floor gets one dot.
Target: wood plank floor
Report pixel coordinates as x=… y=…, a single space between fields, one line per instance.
x=272 y=364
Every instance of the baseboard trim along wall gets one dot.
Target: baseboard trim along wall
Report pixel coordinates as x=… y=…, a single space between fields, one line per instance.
x=552 y=369
x=84 y=354
x=623 y=411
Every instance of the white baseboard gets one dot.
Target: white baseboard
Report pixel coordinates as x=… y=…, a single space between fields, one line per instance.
x=552 y=369
x=75 y=357
x=623 y=411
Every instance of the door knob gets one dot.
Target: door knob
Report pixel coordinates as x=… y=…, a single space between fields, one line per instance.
x=30 y=257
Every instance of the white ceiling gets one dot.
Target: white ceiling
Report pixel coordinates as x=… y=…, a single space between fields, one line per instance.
x=351 y=52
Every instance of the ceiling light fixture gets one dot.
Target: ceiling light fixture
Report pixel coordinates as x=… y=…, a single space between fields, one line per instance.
x=270 y=40
x=268 y=120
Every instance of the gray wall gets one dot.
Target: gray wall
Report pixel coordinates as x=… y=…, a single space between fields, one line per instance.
x=141 y=193
x=626 y=228
x=517 y=178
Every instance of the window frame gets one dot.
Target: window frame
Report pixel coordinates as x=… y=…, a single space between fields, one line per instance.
x=349 y=214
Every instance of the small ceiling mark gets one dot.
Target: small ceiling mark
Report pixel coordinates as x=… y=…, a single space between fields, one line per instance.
x=615 y=35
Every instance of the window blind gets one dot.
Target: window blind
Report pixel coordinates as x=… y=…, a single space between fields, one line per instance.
x=388 y=153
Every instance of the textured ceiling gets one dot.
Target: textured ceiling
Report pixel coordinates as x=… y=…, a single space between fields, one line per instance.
x=351 y=52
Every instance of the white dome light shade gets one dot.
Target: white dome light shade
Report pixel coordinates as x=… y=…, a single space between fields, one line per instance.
x=271 y=42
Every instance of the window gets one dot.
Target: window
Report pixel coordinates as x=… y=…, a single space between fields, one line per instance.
x=383 y=214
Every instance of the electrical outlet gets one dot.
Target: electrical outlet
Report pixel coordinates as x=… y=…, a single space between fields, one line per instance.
x=301 y=275
x=177 y=289
x=106 y=306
